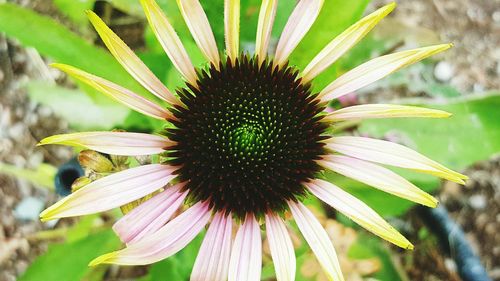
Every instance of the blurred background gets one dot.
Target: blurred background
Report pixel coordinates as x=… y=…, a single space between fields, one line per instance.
x=37 y=101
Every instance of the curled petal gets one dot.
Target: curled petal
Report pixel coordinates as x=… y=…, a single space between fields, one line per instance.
x=130 y=61
x=198 y=24
x=390 y=153
x=265 y=26
x=376 y=69
x=299 y=23
x=357 y=211
x=246 y=254
x=116 y=143
x=169 y=40
x=281 y=247
x=212 y=262
x=343 y=42
x=318 y=240
x=165 y=242
x=112 y=191
x=150 y=216
x=118 y=93
x=374 y=111
x=378 y=177
x=232 y=27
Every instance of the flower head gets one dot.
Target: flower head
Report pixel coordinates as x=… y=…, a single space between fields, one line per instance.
x=247 y=140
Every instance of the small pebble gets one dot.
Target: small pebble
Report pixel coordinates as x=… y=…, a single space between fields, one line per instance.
x=28 y=209
x=443 y=71
x=16 y=132
x=478 y=201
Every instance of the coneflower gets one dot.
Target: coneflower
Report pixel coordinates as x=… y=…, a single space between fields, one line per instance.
x=247 y=142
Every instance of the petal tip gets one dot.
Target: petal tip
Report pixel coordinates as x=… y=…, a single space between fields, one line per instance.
x=106 y=258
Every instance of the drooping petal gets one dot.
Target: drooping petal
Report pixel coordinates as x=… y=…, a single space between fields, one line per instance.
x=130 y=61
x=318 y=240
x=232 y=27
x=390 y=153
x=246 y=254
x=198 y=24
x=169 y=40
x=299 y=23
x=281 y=247
x=112 y=191
x=357 y=211
x=117 y=92
x=165 y=242
x=376 y=69
x=150 y=216
x=343 y=42
x=378 y=177
x=265 y=26
x=212 y=262
x=116 y=143
x=374 y=111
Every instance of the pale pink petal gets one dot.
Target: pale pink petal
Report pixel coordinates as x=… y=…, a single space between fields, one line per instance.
x=165 y=242
x=343 y=42
x=212 y=262
x=198 y=24
x=281 y=247
x=232 y=27
x=130 y=61
x=374 y=111
x=318 y=240
x=378 y=177
x=299 y=23
x=112 y=191
x=116 y=143
x=390 y=153
x=169 y=40
x=118 y=93
x=246 y=254
x=151 y=215
x=376 y=69
x=265 y=26
x=357 y=211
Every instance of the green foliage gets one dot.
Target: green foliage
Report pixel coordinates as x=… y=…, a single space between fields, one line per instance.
x=75 y=10
x=56 y=41
x=42 y=176
x=69 y=261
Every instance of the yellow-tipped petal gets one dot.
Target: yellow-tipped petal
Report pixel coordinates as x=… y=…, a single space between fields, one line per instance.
x=342 y=43
x=115 y=143
x=130 y=61
x=385 y=152
x=232 y=27
x=376 y=69
x=169 y=40
x=373 y=111
x=198 y=24
x=299 y=23
x=266 y=19
x=108 y=258
x=378 y=177
x=118 y=93
x=358 y=211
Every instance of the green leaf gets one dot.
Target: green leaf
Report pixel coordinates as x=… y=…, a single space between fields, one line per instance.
x=368 y=246
x=42 y=176
x=75 y=10
x=56 y=41
x=78 y=109
x=69 y=261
